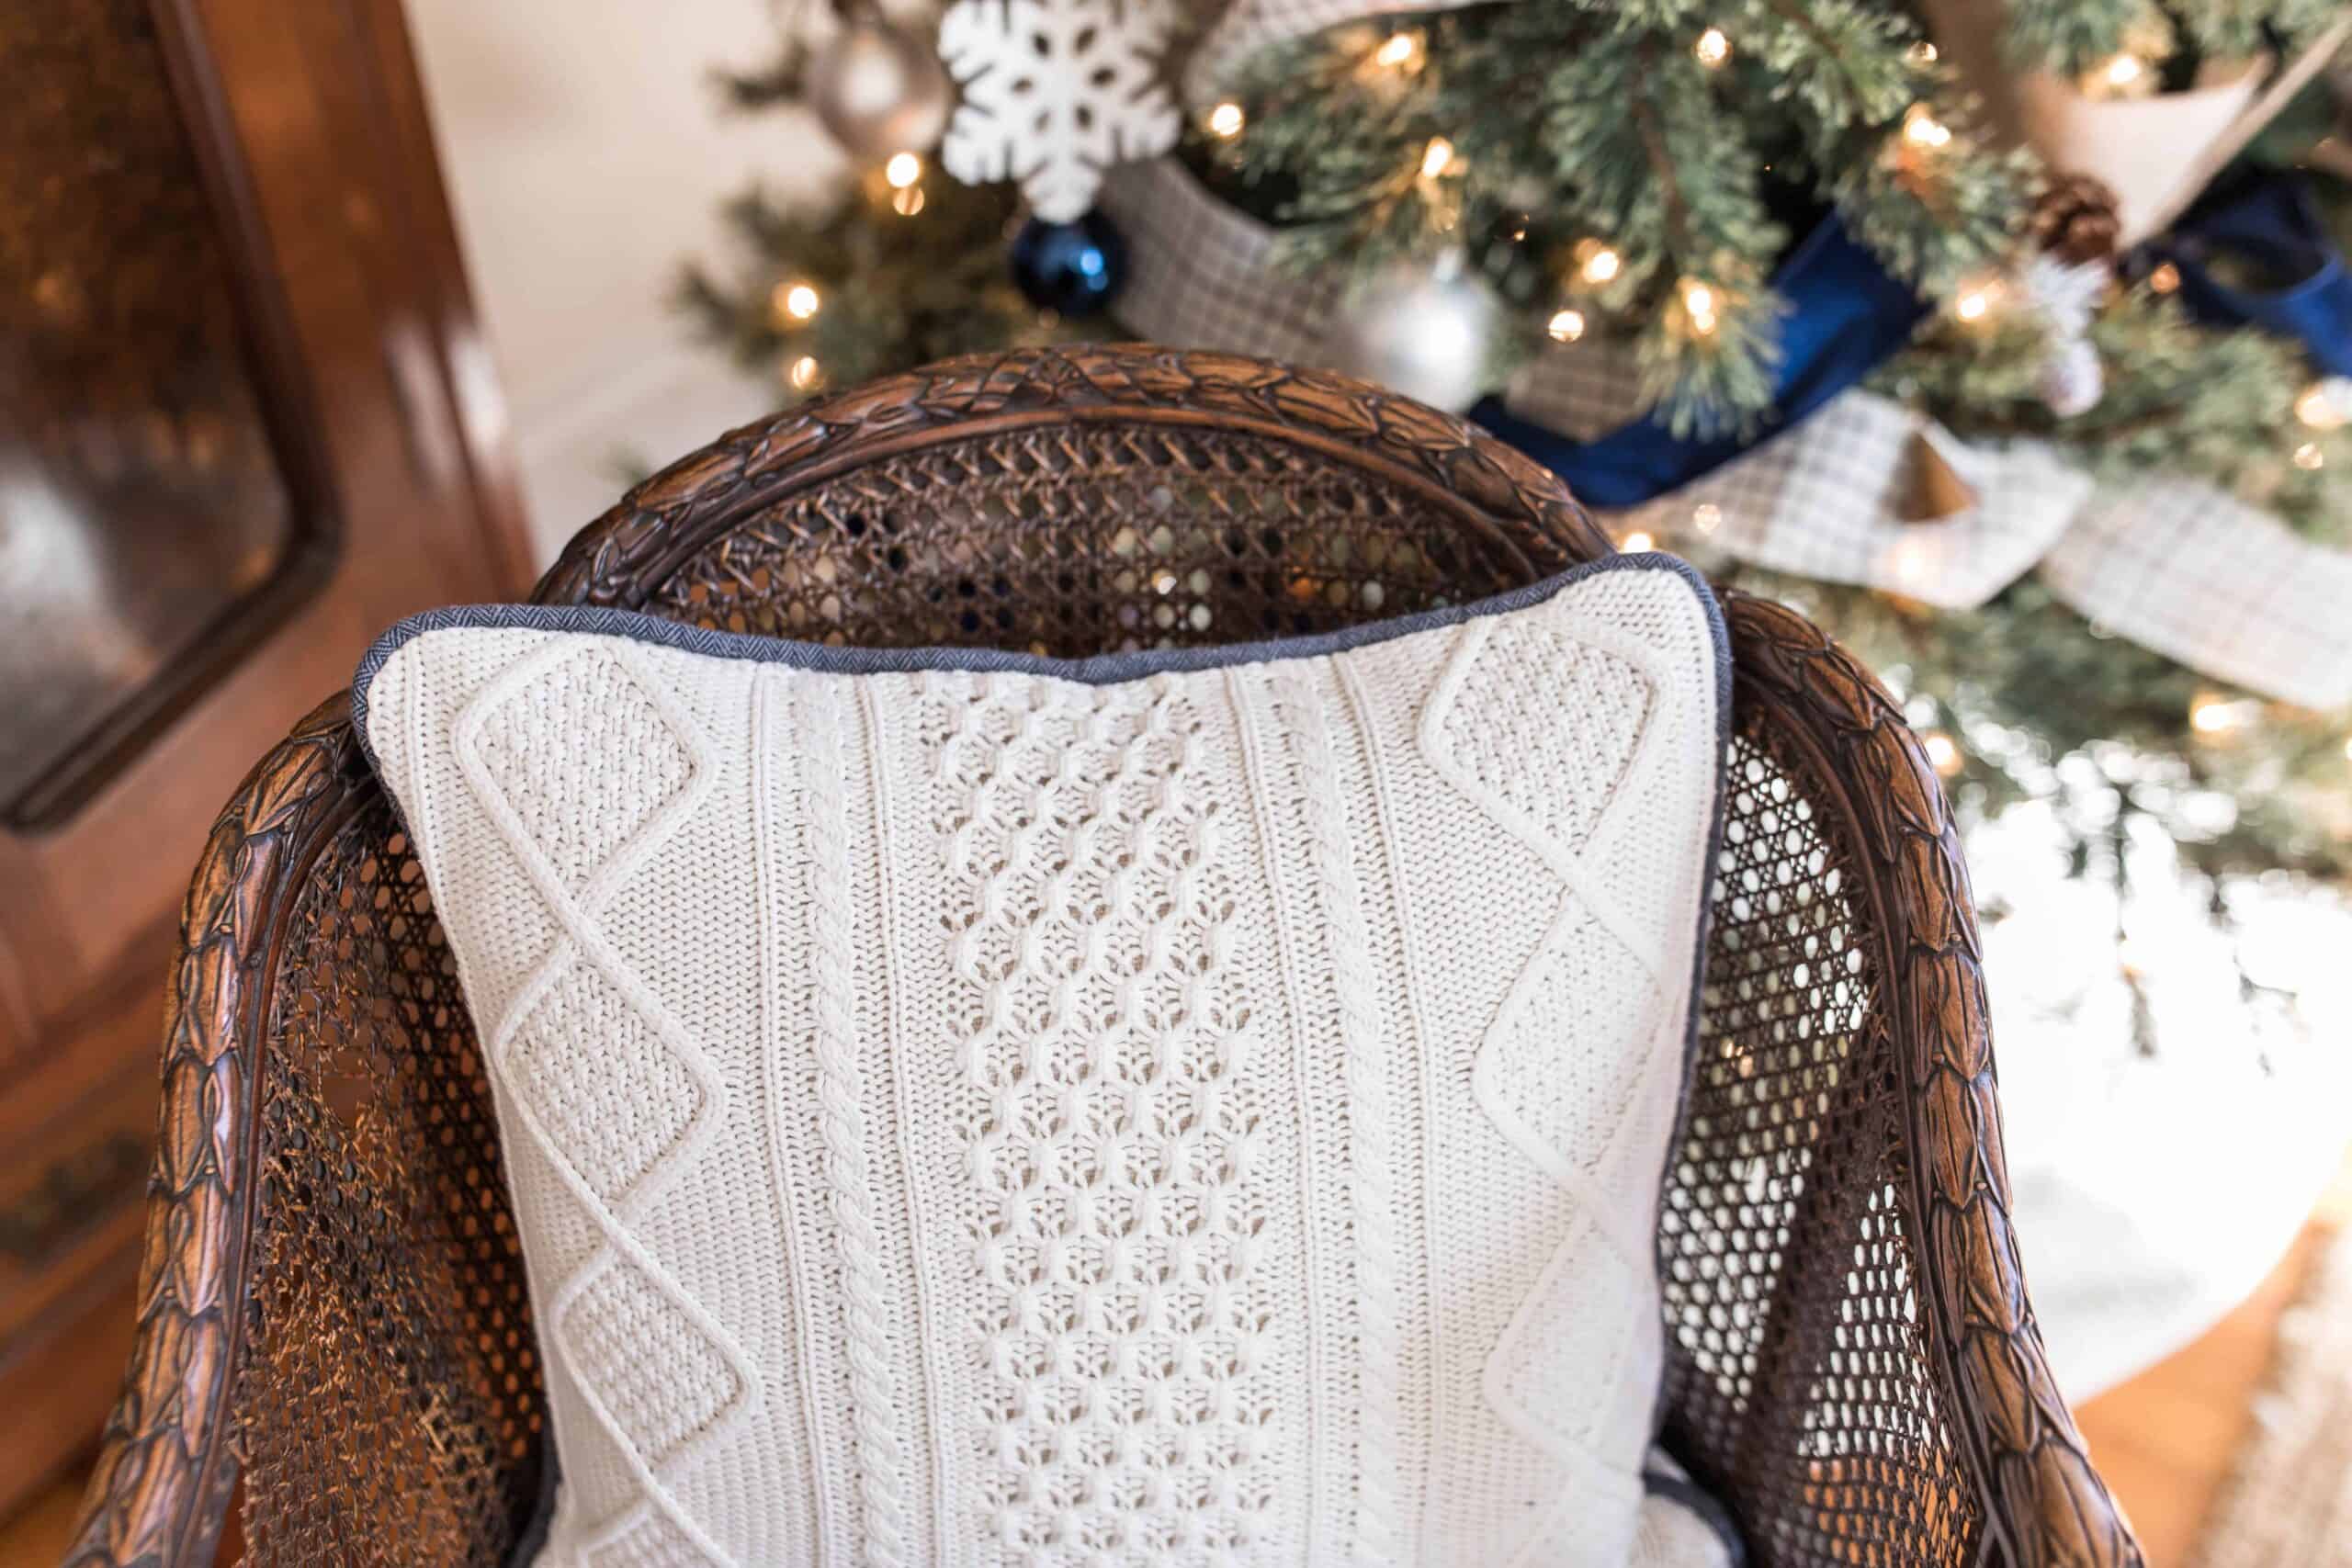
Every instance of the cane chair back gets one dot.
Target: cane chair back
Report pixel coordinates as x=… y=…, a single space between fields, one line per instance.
x=335 y=1321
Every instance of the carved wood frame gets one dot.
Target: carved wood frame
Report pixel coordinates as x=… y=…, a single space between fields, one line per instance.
x=163 y=1479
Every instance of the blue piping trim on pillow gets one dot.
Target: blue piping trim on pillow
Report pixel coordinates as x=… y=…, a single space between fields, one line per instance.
x=534 y=1538
x=1706 y=1505
x=1101 y=669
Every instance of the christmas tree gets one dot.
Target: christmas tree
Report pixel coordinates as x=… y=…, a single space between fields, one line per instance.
x=2013 y=344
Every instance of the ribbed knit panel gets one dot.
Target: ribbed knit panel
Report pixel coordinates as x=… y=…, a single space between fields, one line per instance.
x=1367 y=1375
x=990 y=1120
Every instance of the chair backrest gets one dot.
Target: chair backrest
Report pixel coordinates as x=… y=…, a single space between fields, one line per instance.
x=334 y=1303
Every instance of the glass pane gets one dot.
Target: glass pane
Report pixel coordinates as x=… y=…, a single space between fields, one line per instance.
x=141 y=505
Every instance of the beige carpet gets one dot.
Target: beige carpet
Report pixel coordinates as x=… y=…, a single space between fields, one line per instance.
x=2289 y=1503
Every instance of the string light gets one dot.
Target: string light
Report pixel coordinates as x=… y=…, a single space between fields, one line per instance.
x=2127 y=959
x=1436 y=158
x=2322 y=406
x=1921 y=54
x=1976 y=300
x=1921 y=128
x=796 y=301
x=1637 y=542
x=2310 y=459
x=1698 y=304
x=1566 y=326
x=1226 y=120
x=805 y=373
x=1713 y=48
x=908 y=202
x=902 y=171
x=1400 y=51
x=2211 y=715
x=2119 y=76
x=1944 y=753
x=1706 y=517
x=1598 y=261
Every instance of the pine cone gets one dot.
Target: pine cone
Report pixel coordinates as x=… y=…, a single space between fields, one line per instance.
x=2076 y=219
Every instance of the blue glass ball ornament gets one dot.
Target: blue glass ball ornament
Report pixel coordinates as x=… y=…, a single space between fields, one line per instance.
x=1075 y=268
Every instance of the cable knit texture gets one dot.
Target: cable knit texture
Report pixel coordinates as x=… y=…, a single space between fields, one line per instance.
x=986 y=1117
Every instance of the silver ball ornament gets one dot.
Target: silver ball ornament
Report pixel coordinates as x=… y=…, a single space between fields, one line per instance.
x=878 y=89
x=1421 y=329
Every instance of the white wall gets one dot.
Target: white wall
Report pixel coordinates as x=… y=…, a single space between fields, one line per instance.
x=586 y=154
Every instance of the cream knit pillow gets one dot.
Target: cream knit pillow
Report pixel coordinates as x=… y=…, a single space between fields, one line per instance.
x=1195 y=1108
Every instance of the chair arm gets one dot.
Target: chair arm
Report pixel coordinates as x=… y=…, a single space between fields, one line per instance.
x=161 y=1489
x=2044 y=1503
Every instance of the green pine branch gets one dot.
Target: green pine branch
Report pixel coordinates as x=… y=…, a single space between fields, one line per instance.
x=893 y=290
x=1625 y=134
x=1580 y=125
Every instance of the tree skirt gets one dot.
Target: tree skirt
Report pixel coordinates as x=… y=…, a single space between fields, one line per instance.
x=2158 y=1176
x=2290 y=1497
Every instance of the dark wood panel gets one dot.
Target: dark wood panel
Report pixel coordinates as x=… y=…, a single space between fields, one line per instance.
x=152 y=519
x=341 y=387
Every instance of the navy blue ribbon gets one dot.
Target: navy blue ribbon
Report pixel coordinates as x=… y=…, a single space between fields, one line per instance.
x=1845 y=315
x=2271 y=221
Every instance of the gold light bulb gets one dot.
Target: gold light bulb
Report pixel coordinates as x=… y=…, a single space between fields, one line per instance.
x=796 y=301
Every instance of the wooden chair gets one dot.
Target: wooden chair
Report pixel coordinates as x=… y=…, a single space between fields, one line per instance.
x=334 y=1328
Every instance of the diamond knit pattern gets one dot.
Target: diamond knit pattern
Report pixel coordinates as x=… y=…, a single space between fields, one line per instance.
x=531 y=743
x=613 y=1095
x=1114 y=1199
x=652 y=1540
x=1558 y=1374
x=1509 y=724
x=993 y=1119
x=582 y=765
x=1550 y=783
x=660 y=1377
x=1572 y=1102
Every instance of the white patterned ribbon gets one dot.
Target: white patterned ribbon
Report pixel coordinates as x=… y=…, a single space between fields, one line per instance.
x=1245 y=26
x=1823 y=501
x=1201 y=274
x=2222 y=587
x=1584 y=390
x=2172 y=564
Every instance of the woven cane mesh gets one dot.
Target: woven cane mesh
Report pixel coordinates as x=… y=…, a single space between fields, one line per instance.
x=1092 y=539
x=391 y=1404
x=1798 y=1370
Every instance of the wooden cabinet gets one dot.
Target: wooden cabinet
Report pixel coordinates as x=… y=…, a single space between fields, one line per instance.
x=245 y=422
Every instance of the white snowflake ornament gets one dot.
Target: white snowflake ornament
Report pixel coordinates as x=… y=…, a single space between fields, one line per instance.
x=1055 y=92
